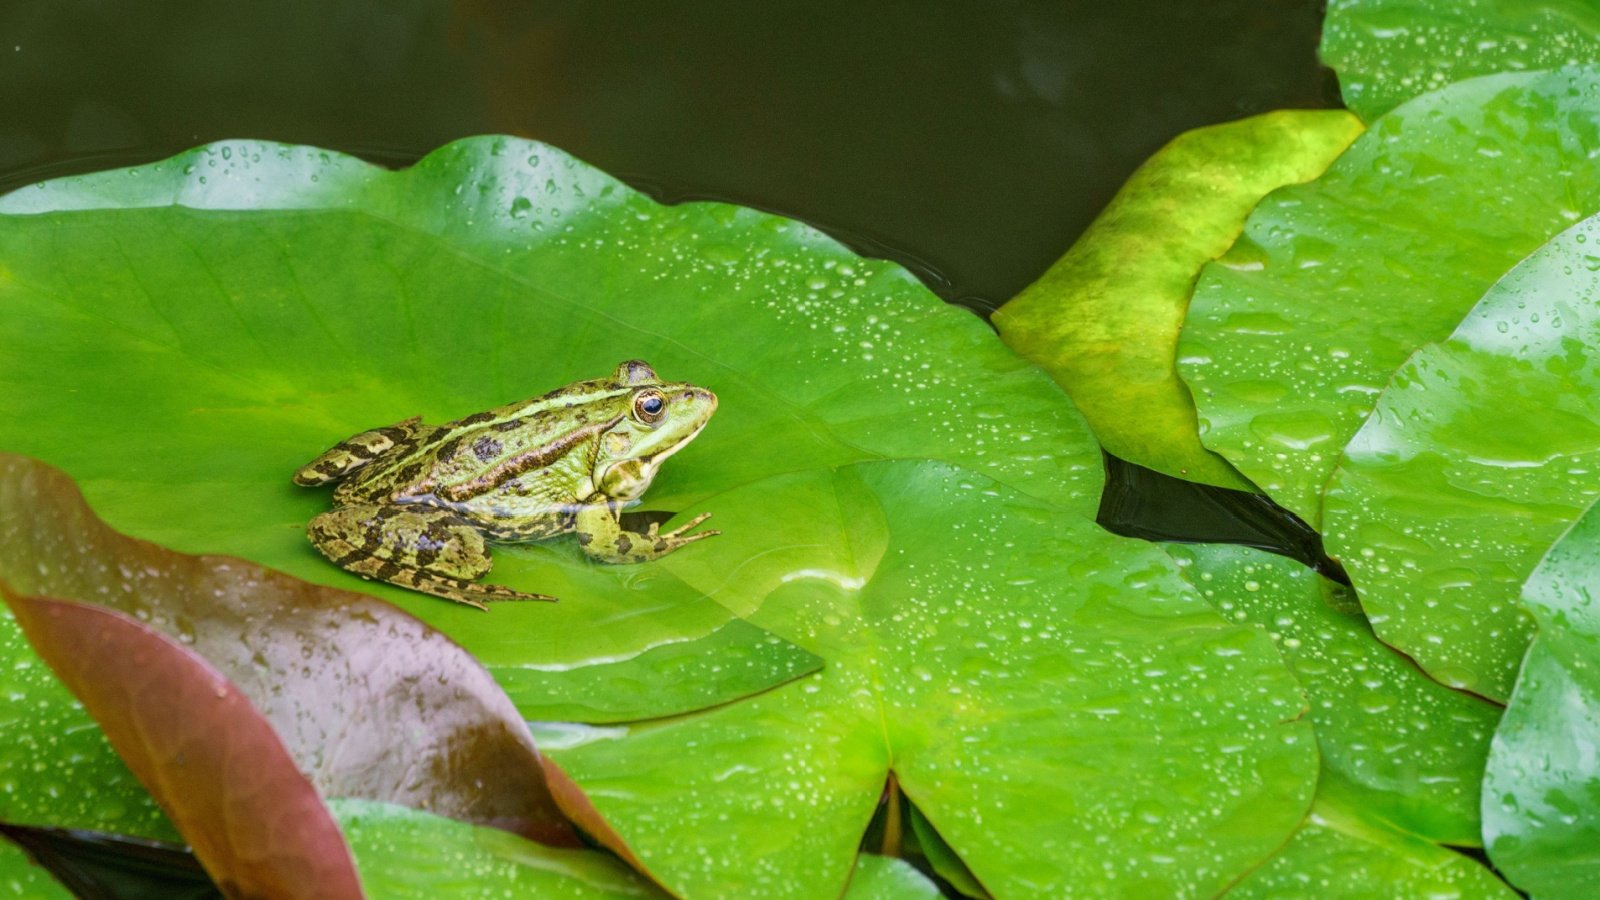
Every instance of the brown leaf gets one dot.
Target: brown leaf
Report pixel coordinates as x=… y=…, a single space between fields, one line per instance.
x=202 y=750
x=368 y=701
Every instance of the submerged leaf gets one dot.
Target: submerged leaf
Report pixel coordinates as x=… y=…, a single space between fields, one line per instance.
x=1541 y=797
x=1388 y=51
x=1293 y=333
x=211 y=760
x=1479 y=455
x=1104 y=320
x=1057 y=701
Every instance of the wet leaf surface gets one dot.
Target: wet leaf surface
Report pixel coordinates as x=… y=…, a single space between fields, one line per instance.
x=953 y=663
x=1541 y=796
x=210 y=759
x=1104 y=320
x=1333 y=284
x=366 y=700
x=403 y=852
x=20 y=876
x=1342 y=853
x=1478 y=456
x=298 y=297
x=1389 y=51
x=1395 y=744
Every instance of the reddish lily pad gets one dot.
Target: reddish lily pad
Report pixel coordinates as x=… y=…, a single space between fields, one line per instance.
x=368 y=701
x=211 y=760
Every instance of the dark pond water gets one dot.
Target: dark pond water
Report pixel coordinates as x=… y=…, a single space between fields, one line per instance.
x=971 y=141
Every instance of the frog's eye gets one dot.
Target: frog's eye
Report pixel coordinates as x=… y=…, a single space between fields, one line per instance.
x=649 y=407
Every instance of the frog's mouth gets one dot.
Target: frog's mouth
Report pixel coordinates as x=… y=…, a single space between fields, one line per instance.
x=654 y=461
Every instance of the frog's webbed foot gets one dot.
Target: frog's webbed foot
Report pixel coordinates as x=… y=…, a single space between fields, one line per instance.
x=422 y=548
x=677 y=536
x=602 y=537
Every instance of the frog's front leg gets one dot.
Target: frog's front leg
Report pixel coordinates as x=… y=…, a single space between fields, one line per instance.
x=424 y=548
x=602 y=536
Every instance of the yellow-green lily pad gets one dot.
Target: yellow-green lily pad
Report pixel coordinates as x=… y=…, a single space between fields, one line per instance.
x=1104 y=320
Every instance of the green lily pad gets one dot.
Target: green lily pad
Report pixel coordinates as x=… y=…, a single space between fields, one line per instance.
x=1062 y=707
x=1401 y=747
x=1478 y=457
x=1340 y=852
x=1541 y=796
x=1104 y=320
x=885 y=878
x=941 y=856
x=1332 y=285
x=21 y=877
x=1389 y=51
x=403 y=852
x=181 y=360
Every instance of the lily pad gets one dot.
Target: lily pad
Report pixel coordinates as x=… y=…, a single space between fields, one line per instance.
x=1104 y=320
x=886 y=878
x=1062 y=707
x=1340 y=852
x=181 y=361
x=365 y=699
x=1479 y=456
x=53 y=748
x=1332 y=285
x=20 y=876
x=213 y=762
x=1399 y=746
x=403 y=852
x=1389 y=51
x=1541 y=797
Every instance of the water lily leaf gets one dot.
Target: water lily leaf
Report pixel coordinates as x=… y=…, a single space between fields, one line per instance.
x=210 y=759
x=20 y=876
x=941 y=856
x=1478 y=456
x=53 y=748
x=1062 y=707
x=366 y=700
x=886 y=878
x=1541 y=796
x=1292 y=334
x=1398 y=745
x=1341 y=852
x=403 y=852
x=1389 y=51
x=299 y=297
x=1104 y=320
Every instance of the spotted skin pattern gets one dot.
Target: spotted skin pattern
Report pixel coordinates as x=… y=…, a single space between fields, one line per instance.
x=419 y=505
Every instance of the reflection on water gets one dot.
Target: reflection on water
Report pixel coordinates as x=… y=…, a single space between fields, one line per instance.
x=972 y=143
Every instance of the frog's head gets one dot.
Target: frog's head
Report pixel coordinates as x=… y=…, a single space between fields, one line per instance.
x=655 y=419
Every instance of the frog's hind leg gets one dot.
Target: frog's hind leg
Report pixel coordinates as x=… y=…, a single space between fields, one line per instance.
x=424 y=548
x=356 y=451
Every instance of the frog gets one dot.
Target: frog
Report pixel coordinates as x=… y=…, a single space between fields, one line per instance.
x=419 y=505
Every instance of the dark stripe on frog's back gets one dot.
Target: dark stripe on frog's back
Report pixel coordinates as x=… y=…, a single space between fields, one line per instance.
x=515 y=458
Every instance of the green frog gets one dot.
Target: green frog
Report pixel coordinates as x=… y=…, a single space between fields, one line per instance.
x=418 y=505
